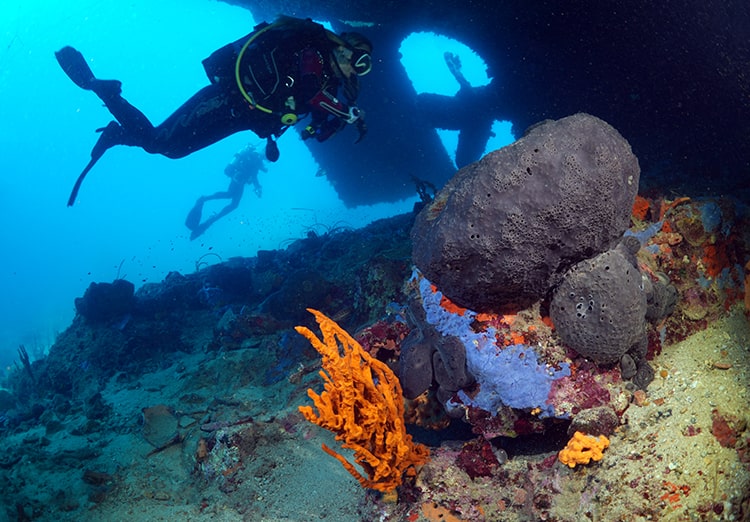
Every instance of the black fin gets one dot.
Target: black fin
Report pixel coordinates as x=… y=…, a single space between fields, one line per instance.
x=100 y=147
x=75 y=66
x=77 y=186
x=193 y=219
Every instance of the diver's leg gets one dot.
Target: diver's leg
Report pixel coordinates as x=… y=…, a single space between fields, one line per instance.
x=217 y=195
x=204 y=119
x=137 y=130
x=134 y=123
x=216 y=217
x=236 y=198
x=209 y=116
x=231 y=206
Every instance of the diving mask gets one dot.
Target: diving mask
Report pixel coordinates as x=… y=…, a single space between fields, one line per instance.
x=361 y=62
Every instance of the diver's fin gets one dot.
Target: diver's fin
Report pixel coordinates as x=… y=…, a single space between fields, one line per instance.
x=75 y=66
x=109 y=138
x=197 y=232
x=193 y=219
x=77 y=186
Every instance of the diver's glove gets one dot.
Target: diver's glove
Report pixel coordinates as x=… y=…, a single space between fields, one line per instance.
x=353 y=115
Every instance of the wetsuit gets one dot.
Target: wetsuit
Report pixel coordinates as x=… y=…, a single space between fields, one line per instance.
x=302 y=80
x=264 y=82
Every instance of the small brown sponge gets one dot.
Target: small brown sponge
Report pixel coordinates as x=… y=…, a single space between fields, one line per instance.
x=582 y=449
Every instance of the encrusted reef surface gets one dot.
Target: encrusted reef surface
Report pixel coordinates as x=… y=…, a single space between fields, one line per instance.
x=180 y=400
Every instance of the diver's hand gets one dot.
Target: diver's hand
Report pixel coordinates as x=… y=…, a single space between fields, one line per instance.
x=354 y=115
x=362 y=129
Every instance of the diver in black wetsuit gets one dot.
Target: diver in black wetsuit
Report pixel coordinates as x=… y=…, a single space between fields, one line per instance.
x=243 y=170
x=264 y=82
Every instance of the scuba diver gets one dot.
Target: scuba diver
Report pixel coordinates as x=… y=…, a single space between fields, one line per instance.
x=264 y=82
x=243 y=169
x=472 y=111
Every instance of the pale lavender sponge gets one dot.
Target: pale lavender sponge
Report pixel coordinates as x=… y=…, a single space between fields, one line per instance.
x=507 y=376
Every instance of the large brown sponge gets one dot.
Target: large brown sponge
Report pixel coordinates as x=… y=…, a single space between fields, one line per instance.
x=503 y=230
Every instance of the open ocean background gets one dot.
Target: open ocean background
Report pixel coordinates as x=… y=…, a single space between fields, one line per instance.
x=128 y=219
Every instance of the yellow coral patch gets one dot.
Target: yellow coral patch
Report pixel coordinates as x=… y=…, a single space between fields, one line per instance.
x=582 y=449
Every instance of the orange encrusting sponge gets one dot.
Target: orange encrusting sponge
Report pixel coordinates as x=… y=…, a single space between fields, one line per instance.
x=582 y=449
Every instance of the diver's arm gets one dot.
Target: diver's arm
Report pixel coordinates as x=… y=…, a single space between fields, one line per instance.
x=329 y=113
x=325 y=102
x=453 y=62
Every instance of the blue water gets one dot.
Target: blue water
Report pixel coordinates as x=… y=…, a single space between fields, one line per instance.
x=128 y=219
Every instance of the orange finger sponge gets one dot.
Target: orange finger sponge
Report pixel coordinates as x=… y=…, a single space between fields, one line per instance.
x=363 y=404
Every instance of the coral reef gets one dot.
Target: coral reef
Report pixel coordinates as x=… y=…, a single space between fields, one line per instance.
x=106 y=301
x=702 y=247
x=516 y=363
x=477 y=458
x=582 y=449
x=363 y=404
x=224 y=375
x=521 y=377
